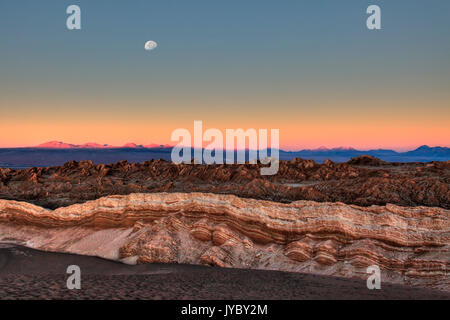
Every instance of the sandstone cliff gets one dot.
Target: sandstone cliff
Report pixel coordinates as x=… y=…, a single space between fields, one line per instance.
x=410 y=245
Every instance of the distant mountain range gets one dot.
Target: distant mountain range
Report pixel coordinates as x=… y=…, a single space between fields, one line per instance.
x=93 y=145
x=423 y=150
x=56 y=153
x=421 y=154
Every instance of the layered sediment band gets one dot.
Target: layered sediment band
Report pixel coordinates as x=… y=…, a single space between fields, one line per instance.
x=410 y=244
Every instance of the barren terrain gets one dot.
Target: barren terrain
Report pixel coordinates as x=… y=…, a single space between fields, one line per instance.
x=30 y=274
x=362 y=181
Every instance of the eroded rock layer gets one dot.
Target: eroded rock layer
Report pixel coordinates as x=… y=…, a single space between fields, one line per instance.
x=410 y=245
x=362 y=181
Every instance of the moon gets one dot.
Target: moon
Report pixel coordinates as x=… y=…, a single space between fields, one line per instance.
x=150 y=45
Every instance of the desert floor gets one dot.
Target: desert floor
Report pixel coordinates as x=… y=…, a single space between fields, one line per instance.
x=31 y=274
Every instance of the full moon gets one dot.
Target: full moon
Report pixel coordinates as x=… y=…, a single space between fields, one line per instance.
x=150 y=45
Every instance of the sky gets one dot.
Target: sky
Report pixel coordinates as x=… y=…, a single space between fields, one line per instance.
x=309 y=68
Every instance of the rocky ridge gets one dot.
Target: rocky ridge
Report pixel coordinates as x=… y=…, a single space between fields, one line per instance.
x=410 y=245
x=363 y=181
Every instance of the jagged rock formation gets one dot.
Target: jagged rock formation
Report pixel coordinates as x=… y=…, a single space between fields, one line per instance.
x=362 y=181
x=410 y=245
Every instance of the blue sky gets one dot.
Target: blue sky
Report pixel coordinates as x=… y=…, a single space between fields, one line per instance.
x=283 y=63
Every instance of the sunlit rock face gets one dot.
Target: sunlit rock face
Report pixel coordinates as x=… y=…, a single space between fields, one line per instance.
x=410 y=245
x=363 y=181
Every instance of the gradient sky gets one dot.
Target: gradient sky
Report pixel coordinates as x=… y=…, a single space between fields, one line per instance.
x=309 y=68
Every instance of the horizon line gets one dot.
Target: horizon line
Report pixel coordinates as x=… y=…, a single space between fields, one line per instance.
x=131 y=145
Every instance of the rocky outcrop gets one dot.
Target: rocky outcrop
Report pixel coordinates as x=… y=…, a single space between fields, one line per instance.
x=363 y=181
x=410 y=245
x=367 y=161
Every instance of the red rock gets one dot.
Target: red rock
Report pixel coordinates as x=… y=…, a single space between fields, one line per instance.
x=361 y=181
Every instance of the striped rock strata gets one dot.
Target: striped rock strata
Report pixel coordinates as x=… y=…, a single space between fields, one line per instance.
x=410 y=245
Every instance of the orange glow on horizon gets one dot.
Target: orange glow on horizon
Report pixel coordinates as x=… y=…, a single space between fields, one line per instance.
x=391 y=125
x=307 y=136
